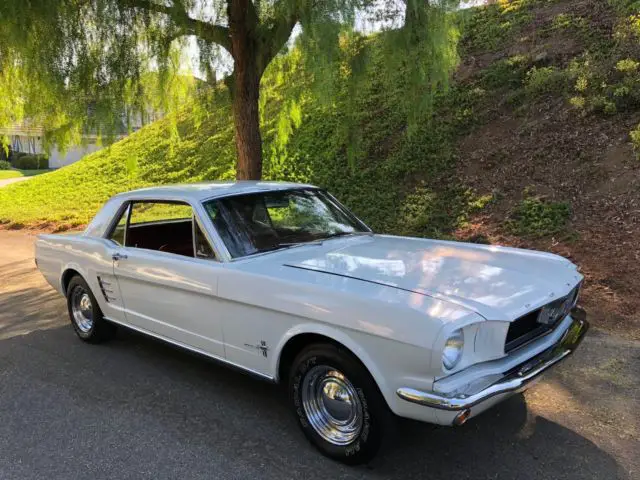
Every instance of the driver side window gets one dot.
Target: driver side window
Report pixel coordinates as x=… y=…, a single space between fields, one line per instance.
x=165 y=226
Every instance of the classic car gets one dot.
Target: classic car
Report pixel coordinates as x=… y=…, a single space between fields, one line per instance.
x=282 y=281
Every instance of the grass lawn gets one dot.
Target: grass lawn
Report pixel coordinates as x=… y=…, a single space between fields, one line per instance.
x=33 y=173
x=4 y=174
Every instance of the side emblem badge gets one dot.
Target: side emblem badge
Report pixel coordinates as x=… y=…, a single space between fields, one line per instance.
x=262 y=346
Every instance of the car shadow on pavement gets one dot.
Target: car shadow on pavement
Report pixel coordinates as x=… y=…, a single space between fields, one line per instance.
x=27 y=302
x=138 y=408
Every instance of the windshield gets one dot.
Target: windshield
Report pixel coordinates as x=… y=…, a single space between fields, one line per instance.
x=264 y=221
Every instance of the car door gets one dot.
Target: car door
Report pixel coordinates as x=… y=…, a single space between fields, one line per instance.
x=167 y=275
x=104 y=281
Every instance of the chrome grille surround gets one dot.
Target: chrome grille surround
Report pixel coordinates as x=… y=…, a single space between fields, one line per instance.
x=540 y=321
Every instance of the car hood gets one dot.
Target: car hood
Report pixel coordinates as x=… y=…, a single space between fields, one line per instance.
x=498 y=283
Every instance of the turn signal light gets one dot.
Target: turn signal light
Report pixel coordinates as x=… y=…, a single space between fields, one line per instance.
x=462 y=417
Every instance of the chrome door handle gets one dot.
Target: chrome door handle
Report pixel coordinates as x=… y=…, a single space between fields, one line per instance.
x=118 y=256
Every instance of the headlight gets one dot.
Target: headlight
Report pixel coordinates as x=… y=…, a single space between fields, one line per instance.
x=452 y=352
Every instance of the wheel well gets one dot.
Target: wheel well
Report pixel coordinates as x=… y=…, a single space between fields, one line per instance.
x=66 y=278
x=295 y=345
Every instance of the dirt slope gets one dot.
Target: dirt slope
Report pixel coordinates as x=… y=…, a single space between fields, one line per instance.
x=540 y=145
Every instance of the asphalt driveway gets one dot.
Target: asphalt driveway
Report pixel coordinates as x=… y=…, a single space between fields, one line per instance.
x=138 y=409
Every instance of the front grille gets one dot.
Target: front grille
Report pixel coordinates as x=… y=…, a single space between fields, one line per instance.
x=524 y=329
x=540 y=321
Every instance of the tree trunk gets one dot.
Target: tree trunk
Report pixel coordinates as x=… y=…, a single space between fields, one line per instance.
x=245 y=90
x=245 y=96
x=415 y=22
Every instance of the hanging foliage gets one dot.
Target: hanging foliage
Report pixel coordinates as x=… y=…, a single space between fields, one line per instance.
x=78 y=66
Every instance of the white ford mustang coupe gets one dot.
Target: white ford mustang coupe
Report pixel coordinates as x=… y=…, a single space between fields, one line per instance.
x=282 y=281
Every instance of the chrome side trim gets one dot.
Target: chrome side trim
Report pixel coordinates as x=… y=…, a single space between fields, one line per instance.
x=107 y=293
x=512 y=382
x=195 y=350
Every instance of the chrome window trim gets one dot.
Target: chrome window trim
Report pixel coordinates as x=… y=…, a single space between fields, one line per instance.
x=219 y=248
x=193 y=234
x=229 y=258
x=211 y=235
x=220 y=196
x=345 y=210
x=125 y=207
x=196 y=222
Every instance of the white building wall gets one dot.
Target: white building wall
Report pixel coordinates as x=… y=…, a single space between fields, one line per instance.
x=73 y=154
x=26 y=144
x=57 y=159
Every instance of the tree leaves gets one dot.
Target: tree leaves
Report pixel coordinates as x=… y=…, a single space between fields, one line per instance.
x=77 y=66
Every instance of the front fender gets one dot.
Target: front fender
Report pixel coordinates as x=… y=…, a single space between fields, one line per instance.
x=334 y=334
x=391 y=363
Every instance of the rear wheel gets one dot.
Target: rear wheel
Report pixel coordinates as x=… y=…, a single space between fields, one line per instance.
x=85 y=314
x=338 y=404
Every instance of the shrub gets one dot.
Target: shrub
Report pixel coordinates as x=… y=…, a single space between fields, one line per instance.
x=535 y=217
x=5 y=149
x=14 y=156
x=635 y=140
x=544 y=80
x=565 y=21
x=625 y=6
x=4 y=165
x=605 y=86
x=508 y=72
x=627 y=65
x=489 y=27
x=627 y=32
x=31 y=162
x=578 y=102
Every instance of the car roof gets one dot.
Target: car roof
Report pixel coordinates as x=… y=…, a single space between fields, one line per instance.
x=208 y=190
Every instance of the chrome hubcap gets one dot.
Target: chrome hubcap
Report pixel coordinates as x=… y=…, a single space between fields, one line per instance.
x=332 y=405
x=81 y=309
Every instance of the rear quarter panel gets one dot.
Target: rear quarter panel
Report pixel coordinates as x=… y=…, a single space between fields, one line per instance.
x=89 y=256
x=51 y=255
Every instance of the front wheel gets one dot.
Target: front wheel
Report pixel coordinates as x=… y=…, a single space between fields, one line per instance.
x=85 y=314
x=338 y=404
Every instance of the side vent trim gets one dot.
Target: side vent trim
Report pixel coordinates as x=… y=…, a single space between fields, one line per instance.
x=105 y=288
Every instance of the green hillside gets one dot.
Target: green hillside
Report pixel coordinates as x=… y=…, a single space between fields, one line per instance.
x=356 y=143
x=536 y=144
x=368 y=160
x=357 y=146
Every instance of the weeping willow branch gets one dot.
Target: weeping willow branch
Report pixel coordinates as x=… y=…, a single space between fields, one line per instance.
x=187 y=25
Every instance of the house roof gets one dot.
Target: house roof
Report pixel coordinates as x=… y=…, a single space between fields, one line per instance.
x=23 y=129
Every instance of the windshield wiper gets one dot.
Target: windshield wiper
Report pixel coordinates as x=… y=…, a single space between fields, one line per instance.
x=344 y=234
x=318 y=241
x=295 y=244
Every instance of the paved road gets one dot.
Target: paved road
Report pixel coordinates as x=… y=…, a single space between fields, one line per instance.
x=138 y=409
x=9 y=181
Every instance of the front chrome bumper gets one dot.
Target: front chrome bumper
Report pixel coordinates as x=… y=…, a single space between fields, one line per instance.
x=513 y=381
